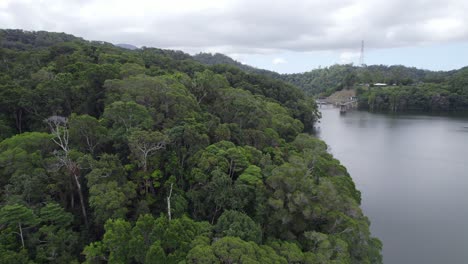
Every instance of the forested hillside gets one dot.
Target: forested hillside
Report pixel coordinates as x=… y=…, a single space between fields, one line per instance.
x=408 y=88
x=218 y=58
x=110 y=155
x=448 y=94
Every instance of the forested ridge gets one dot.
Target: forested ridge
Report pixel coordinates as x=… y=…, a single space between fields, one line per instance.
x=218 y=58
x=408 y=88
x=110 y=155
x=446 y=92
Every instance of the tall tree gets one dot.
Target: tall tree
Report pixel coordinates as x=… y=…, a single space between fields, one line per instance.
x=144 y=144
x=18 y=217
x=59 y=128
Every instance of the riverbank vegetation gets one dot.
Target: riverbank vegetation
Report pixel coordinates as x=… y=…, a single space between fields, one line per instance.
x=448 y=95
x=110 y=155
x=398 y=88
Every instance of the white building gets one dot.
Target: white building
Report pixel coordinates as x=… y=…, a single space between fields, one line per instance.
x=380 y=84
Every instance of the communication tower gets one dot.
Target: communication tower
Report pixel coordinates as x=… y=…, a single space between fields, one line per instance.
x=361 y=57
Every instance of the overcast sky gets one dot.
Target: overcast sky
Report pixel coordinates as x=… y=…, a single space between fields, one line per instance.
x=285 y=36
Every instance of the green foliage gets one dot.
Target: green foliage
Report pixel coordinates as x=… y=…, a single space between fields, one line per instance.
x=17 y=215
x=318 y=81
x=218 y=58
x=53 y=214
x=165 y=160
x=23 y=165
x=109 y=200
x=252 y=175
x=118 y=233
x=237 y=224
x=206 y=85
x=409 y=89
x=122 y=117
x=202 y=254
x=166 y=98
x=324 y=81
x=58 y=241
x=235 y=250
x=5 y=129
x=143 y=144
x=150 y=240
x=87 y=133
x=422 y=97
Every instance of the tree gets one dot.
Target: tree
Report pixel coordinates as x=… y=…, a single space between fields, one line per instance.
x=206 y=85
x=237 y=224
x=18 y=216
x=143 y=144
x=289 y=250
x=165 y=97
x=125 y=116
x=236 y=250
x=109 y=191
x=143 y=237
x=23 y=153
x=59 y=129
x=129 y=69
x=110 y=201
x=5 y=129
x=188 y=138
x=118 y=233
x=29 y=187
x=87 y=132
x=202 y=254
x=155 y=254
x=251 y=176
x=57 y=242
x=150 y=240
x=213 y=176
x=148 y=147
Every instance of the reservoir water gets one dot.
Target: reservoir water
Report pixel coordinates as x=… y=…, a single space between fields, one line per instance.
x=412 y=171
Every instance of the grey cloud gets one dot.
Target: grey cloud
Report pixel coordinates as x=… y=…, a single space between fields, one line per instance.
x=245 y=26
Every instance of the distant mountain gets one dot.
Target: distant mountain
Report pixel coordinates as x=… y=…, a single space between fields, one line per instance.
x=218 y=58
x=325 y=81
x=18 y=39
x=127 y=46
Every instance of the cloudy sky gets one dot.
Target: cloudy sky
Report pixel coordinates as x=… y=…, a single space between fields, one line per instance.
x=285 y=36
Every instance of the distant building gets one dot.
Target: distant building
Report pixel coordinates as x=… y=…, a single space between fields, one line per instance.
x=380 y=84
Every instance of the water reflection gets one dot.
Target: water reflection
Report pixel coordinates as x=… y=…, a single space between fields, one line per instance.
x=413 y=174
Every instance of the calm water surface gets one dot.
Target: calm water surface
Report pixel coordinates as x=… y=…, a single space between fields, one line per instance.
x=412 y=171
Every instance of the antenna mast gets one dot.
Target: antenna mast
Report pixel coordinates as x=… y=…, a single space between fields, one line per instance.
x=361 y=57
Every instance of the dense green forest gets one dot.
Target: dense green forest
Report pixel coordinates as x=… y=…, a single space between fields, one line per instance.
x=110 y=155
x=327 y=80
x=446 y=94
x=324 y=81
x=409 y=88
x=218 y=58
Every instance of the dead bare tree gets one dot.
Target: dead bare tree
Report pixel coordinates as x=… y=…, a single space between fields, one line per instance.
x=143 y=144
x=169 y=203
x=59 y=129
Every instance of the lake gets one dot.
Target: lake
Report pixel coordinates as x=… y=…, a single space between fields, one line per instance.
x=412 y=171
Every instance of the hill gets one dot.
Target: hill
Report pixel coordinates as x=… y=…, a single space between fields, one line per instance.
x=336 y=77
x=127 y=46
x=406 y=89
x=220 y=59
x=110 y=155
